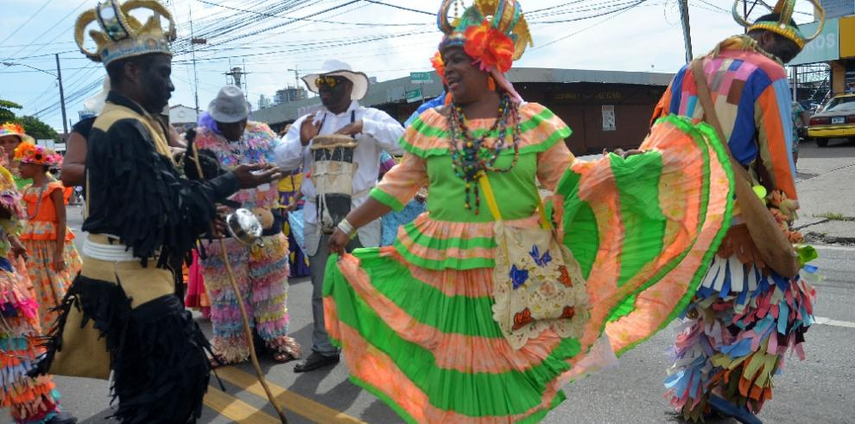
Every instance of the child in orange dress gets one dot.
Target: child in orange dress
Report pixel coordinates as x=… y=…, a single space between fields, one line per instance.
x=53 y=260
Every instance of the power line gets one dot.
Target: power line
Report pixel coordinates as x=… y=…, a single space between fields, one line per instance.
x=14 y=31
x=373 y=24
x=45 y=33
x=613 y=15
x=394 y=6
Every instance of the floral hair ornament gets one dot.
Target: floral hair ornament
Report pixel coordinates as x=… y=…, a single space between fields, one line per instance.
x=438 y=65
x=13 y=129
x=493 y=32
x=37 y=155
x=784 y=26
x=122 y=35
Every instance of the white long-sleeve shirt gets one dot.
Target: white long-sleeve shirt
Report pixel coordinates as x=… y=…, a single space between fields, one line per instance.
x=379 y=132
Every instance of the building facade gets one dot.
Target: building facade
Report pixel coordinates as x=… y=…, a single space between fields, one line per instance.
x=605 y=109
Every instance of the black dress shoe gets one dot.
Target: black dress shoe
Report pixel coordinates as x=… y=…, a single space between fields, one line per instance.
x=315 y=361
x=62 y=418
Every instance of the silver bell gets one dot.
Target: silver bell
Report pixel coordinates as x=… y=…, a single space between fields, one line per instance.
x=244 y=227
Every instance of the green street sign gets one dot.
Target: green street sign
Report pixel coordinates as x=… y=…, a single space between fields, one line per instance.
x=420 y=78
x=414 y=95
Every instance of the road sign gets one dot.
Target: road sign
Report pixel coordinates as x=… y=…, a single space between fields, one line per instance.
x=823 y=48
x=421 y=77
x=414 y=95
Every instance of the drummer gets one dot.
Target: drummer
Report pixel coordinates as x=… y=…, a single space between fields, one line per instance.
x=340 y=90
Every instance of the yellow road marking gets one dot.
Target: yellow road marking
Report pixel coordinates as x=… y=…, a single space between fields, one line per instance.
x=291 y=401
x=236 y=409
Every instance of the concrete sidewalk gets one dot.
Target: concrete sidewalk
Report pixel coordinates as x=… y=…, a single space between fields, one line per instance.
x=826 y=188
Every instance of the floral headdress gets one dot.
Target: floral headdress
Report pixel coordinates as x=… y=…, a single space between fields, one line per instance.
x=38 y=155
x=493 y=32
x=121 y=35
x=784 y=25
x=10 y=128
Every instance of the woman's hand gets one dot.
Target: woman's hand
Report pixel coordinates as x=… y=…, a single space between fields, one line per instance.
x=338 y=241
x=58 y=261
x=624 y=153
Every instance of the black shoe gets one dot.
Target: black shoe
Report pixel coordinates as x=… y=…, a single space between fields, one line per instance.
x=62 y=418
x=315 y=361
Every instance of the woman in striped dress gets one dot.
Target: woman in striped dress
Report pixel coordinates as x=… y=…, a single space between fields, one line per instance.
x=417 y=320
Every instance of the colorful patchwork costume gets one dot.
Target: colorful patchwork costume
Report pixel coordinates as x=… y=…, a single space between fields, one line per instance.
x=261 y=271
x=30 y=400
x=415 y=320
x=745 y=318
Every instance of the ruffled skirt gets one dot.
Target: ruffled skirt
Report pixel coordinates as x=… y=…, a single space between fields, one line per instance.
x=737 y=334
x=262 y=276
x=49 y=285
x=415 y=319
x=30 y=400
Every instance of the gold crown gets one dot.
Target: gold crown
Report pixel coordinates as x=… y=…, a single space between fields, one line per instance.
x=785 y=9
x=123 y=36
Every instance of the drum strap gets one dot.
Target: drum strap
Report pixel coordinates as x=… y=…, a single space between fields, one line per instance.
x=352 y=118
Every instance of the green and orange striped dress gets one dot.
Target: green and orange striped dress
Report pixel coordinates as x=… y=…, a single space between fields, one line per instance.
x=415 y=319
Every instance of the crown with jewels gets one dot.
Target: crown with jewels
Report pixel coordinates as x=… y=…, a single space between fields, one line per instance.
x=784 y=25
x=121 y=35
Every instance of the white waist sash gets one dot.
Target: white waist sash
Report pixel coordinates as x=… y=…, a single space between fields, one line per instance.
x=107 y=252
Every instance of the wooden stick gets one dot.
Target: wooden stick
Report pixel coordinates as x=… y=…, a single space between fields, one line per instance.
x=244 y=316
x=248 y=331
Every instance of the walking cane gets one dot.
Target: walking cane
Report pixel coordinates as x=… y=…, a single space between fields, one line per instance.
x=246 y=328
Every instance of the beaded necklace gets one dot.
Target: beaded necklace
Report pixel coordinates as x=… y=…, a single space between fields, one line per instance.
x=474 y=158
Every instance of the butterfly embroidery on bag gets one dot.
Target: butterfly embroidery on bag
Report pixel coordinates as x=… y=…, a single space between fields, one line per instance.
x=569 y=312
x=565 y=277
x=541 y=261
x=522 y=319
x=518 y=276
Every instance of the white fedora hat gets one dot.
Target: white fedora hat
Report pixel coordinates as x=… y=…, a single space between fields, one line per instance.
x=337 y=68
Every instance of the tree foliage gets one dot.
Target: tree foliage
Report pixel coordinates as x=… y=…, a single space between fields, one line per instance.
x=36 y=128
x=6 y=113
x=32 y=125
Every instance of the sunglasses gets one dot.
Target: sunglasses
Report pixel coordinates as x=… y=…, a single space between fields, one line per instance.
x=329 y=82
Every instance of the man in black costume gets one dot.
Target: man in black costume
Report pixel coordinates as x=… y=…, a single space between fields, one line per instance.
x=141 y=215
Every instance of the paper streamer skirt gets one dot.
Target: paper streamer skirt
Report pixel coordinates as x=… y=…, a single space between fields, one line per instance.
x=643 y=229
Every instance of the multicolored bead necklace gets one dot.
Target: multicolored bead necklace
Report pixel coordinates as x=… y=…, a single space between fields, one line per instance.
x=474 y=158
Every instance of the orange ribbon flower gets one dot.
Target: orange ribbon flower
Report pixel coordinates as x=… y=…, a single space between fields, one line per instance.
x=489 y=47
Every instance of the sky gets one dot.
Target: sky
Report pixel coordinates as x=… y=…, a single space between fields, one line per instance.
x=380 y=40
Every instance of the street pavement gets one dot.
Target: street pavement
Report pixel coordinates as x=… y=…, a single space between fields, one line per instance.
x=818 y=390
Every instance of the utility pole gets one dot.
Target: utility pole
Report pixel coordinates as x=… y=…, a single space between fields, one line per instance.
x=687 y=32
x=193 y=42
x=61 y=96
x=245 y=82
x=795 y=83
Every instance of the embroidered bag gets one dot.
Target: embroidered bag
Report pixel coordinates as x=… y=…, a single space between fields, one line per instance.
x=537 y=284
